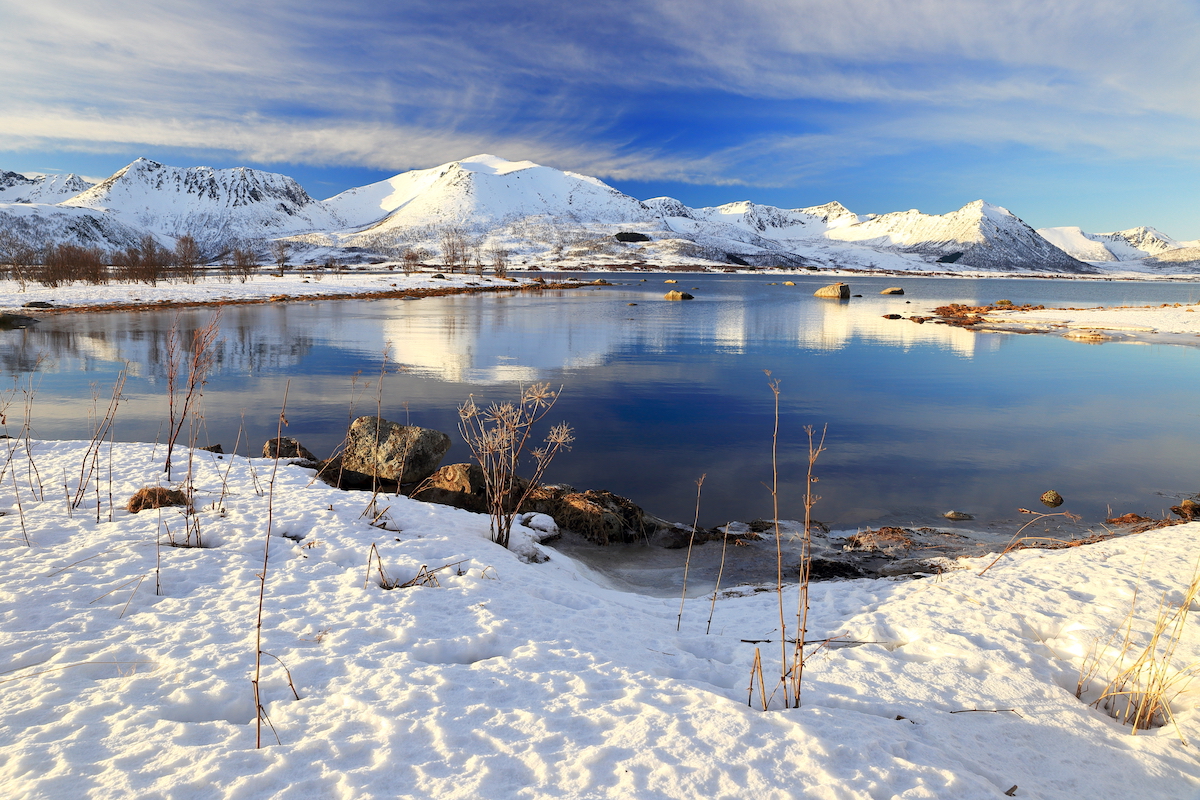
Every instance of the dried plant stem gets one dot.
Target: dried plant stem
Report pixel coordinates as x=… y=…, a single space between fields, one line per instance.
x=261 y=713
x=179 y=409
x=13 y=444
x=720 y=571
x=773 y=383
x=691 y=541
x=103 y=429
x=810 y=500
x=1038 y=517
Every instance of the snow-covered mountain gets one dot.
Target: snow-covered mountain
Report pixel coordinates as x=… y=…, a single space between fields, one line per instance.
x=979 y=234
x=17 y=188
x=481 y=192
x=1129 y=245
x=38 y=224
x=215 y=206
x=540 y=215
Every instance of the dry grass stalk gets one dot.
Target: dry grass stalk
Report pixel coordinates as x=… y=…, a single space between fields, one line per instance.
x=773 y=383
x=720 y=572
x=688 y=563
x=385 y=581
x=1013 y=543
x=261 y=711
x=180 y=408
x=756 y=671
x=810 y=500
x=1146 y=678
x=103 y=428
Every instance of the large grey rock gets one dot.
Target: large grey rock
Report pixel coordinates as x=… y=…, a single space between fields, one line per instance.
x=840 y=291
x=385 y=449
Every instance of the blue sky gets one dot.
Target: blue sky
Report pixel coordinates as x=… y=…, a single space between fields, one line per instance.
x=1066 y=112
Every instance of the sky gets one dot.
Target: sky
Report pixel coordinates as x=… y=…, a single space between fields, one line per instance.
x=1066 y=112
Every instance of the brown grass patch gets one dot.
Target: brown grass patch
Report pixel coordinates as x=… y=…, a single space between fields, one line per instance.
x=155 y=497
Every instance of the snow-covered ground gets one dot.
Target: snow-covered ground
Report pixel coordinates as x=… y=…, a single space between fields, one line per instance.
x=1176 y=318
x=126 y=665
x=263 y=286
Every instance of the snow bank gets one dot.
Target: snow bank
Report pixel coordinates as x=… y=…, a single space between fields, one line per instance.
x=512 y=678
x=1173 y=318
x=308 y=283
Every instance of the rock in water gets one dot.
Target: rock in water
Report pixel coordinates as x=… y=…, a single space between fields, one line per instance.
x=957 y=515
x=839 y=291
x=1052 y=499
x=677 y=295
x=385 y=449
x=893 y=290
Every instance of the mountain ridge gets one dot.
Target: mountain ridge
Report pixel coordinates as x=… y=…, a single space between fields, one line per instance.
x=540 y=214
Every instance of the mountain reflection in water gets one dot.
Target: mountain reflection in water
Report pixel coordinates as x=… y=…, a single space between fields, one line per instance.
x=922 y=418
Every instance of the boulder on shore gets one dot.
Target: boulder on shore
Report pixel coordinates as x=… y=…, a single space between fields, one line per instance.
x=285 y=447
x=401 y=453
x=601 y=517
x=459 y=485
x=839 y=291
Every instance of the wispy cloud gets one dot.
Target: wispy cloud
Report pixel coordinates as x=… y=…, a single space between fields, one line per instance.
x=360 y=83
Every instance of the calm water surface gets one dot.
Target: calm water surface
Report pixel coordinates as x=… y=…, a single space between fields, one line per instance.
x=921 y=418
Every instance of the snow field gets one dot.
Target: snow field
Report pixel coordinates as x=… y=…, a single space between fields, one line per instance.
x=519 y=679
x=294 y=285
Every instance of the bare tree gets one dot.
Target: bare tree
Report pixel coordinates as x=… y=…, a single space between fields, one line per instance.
x=187 y=258
x=67 y=263
x=244 y=263
x=499 y=260
x=18 y=256
x=454 y=247
x=280 y=250
x=153 y=259
x=410 y=259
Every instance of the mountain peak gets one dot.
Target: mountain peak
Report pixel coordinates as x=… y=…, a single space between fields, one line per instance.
x=493 y=165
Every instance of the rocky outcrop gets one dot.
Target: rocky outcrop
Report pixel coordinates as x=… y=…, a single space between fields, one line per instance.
x=402 y=453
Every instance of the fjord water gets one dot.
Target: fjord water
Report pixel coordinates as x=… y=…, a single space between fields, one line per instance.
x=921 y=418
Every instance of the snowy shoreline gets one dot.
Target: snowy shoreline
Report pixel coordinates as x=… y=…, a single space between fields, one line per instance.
x=510 y=678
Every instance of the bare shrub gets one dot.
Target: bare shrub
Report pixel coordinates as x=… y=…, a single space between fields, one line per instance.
x=410 y=259
x=183 y=403
x=498 y=437
x=66 y=263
